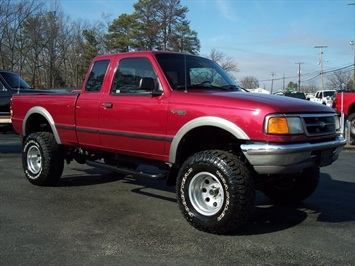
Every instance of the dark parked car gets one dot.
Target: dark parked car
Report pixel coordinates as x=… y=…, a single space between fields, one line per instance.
x=10 y=83
x=299 y=95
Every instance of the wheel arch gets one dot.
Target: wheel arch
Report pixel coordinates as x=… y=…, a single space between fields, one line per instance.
x=203 y=128
x=39 y=119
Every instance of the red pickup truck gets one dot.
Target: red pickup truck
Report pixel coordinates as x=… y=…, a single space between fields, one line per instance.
x=181 y=118
x=347 y=98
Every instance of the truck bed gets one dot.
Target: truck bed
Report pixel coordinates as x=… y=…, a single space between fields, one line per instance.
x=58 y=107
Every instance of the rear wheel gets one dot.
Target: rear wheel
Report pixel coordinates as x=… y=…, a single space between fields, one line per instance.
x=292 y=188
x=215 y=191
x=42 y=159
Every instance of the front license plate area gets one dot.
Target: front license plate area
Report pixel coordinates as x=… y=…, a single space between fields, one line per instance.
x=326 y=158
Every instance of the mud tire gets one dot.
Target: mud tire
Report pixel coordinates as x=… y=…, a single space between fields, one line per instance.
x=351 y=119
x=215 y=191
x=42 y=159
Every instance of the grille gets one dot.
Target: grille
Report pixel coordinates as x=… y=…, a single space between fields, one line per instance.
x=319 y=124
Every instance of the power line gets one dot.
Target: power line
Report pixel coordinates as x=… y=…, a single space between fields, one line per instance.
x=314 y=74
x=330 y=71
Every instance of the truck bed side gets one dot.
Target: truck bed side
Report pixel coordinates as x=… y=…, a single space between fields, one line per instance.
x=56 y=109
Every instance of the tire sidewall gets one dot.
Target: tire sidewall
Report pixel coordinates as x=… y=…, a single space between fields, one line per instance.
x=236 y=180
x=30 y=142
x=52 y=159
x=351 y=119
x=183 y=193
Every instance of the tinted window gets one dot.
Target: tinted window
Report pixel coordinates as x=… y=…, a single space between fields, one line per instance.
x=328 y=93
x=298 y=95
x=184 y=70
x=14 y=81
x=96 y=76
x=132 y=74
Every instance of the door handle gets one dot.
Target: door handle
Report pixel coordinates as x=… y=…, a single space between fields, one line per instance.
x=107 y=105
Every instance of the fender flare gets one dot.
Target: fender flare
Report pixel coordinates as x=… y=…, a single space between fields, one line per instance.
x=205 y=121
x=42 y=111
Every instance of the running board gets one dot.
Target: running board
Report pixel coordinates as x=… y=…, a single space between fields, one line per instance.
x=124 y=171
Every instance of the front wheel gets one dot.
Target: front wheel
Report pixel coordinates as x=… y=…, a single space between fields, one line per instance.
x=42 y=159
x=215 y=191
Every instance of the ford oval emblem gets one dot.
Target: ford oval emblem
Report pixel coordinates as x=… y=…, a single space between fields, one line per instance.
x=322 y=125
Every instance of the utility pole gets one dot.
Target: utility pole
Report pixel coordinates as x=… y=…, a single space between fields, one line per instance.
x=272 y=81
x=283 y=82
x=321 y=64
x=299 y=75
x=352 y=43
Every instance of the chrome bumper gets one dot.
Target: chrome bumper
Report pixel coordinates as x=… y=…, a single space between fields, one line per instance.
x=291 y=158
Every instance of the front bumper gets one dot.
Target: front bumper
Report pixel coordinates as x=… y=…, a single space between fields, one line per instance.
x=291 y=158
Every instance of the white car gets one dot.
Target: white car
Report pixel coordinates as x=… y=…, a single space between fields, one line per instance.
x=324 y=97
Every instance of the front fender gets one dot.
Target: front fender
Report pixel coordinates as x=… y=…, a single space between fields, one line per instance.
x=205 y=121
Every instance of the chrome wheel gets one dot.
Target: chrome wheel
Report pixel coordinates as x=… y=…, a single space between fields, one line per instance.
x=34 y=160
x=206 y=193
x=215 y=191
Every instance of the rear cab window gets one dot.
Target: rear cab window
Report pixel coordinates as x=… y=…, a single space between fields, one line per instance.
x=96 y=76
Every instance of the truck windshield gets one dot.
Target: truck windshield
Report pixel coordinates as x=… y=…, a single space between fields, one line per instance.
x=185 y=72
x=14 y=81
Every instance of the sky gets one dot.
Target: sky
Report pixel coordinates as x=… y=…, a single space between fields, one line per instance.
x=268 y=39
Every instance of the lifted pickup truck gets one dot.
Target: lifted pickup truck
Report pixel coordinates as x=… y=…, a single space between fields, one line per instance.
x=180 y=117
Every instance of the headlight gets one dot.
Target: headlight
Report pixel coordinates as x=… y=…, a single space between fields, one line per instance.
x=283 y=125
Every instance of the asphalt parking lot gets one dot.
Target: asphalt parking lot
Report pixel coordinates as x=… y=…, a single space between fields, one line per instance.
x=94 y=217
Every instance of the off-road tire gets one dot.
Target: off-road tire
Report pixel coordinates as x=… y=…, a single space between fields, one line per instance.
x=351 y=119
x=42 y=159
x=215 y=191
x=292 y=188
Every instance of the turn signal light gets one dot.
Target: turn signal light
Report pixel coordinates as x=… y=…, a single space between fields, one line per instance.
x=277 y=125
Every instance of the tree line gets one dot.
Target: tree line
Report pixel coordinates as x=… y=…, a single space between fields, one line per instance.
x=50 y=50
x=47 y=48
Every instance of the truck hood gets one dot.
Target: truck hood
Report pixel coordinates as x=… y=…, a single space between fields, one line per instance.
x=252 y=101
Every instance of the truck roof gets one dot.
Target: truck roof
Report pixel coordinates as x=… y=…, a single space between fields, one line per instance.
x=144 y=53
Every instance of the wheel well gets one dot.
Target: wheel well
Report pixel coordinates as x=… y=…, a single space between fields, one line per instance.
x=37 y=123
x=206 y=138
x=351 y=109
x=203 y=138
